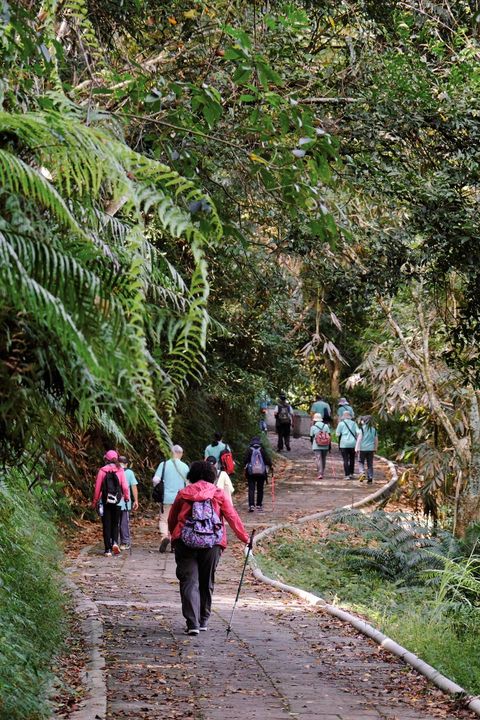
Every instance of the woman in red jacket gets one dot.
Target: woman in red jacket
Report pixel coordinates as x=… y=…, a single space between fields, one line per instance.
x=197 y=526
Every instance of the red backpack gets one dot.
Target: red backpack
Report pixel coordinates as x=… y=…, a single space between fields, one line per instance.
x=227 y=462
x=322 y=438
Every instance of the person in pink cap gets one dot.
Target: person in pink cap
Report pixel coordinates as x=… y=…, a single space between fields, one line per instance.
x=110 y=486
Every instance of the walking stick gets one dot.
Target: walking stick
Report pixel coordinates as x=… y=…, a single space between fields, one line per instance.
x=249 y=546
x=273 y=490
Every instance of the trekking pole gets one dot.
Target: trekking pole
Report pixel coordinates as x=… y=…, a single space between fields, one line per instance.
x=273 y=490
x=249 y=548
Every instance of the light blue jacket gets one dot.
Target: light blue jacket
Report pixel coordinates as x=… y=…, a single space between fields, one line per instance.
x=347 y=433
x=319 y=427
x=175 y=479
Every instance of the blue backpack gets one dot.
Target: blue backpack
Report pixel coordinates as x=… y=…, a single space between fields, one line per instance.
x=256 y=466
x=203 y=529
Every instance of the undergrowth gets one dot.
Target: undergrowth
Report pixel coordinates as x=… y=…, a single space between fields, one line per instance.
x=31 y=602
x=425 y=610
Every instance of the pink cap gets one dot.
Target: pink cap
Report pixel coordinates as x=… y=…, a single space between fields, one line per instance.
x=111 y=455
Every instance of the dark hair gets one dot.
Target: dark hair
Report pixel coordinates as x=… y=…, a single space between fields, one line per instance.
x=201 y=470
x=216 y=438
x=319 y=397
x=123 y=459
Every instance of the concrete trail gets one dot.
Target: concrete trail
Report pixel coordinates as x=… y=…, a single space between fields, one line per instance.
x=282 y=660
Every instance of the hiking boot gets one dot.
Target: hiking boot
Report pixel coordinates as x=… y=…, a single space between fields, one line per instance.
x=251 y=508
x=191 y=631
x=369 y=481
x=115 y=549
x=163 y=545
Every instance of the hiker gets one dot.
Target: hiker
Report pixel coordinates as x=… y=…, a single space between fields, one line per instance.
x=367 y=444
x=125 y=507
x=174 y=473
x=197 y=553
x=347 y=433
x=256 y=464
x=343 y=407
x=215 y=448
x=110 y=485
x=321 y=407
x=223 y=478
x=283 y=422
x=320 y=437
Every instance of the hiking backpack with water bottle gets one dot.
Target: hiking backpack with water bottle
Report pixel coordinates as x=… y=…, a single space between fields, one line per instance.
x=227 y=462
x=111 y=488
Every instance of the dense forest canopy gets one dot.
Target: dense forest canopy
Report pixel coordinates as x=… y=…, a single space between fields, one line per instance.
x=204 y=203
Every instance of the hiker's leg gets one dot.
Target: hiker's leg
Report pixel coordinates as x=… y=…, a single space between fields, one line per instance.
x=107 y=527
x=323 y=460
x=187 y=574
x=251 y=490
x=125 y=527
x=287 y=436
x=115 y=523
x=346 y=461
x=163 y=521
x=361 y=461
x=370 y=455
x=279 y=438
x=260 y=485
x=351 y=457
x=318 y=461
x=207 y=564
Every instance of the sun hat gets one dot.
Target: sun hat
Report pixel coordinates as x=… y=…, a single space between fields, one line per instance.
x=317 y=417
x=111 y=455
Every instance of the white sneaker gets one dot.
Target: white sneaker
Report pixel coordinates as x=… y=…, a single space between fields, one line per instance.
x=191 y=631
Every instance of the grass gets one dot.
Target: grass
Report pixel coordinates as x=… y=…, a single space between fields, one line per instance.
x=440 y=632
x=31 y=601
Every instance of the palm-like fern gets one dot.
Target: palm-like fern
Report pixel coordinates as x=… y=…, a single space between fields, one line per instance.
x=119 y=331
x=393 y=544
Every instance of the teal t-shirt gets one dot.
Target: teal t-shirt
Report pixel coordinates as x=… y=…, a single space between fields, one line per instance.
x=369 y=434
x=132 y=480
x=342 y=409
x=319 y=406
x=175 y=478
x=319 y=427
x=214 y=451
x=347 y=432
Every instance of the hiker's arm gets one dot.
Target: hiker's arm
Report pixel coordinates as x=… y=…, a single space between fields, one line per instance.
x=135 y=497
x=158 y=475
x=124 y=485
x=375 y=447
x=233 y=519
x=173 y=515
x=359 y=440
x=98 y=487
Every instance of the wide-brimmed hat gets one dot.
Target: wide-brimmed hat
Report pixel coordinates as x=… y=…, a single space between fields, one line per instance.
x=317 y=417
x=111 y=455
x=343 y=401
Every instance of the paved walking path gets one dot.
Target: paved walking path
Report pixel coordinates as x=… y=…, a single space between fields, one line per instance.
x=283 y=660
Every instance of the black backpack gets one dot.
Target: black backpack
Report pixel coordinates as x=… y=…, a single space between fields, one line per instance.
x=283 y=414
x=111 y=489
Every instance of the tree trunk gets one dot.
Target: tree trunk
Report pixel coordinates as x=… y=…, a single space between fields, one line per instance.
x=334 y=367
x=468 y=505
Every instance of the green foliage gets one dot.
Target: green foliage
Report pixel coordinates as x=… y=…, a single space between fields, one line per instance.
x=31 y=600
x=410 y=609
x=392 y=544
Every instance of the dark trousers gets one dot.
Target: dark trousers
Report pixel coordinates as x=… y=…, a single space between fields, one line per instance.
x=348 y=455
x=283 y=432
x=366 y=456
x=256 y=482
x=110 y=520
x=196 y=573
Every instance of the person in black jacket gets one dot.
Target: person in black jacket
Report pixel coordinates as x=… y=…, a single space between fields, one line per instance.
x=257 y=464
